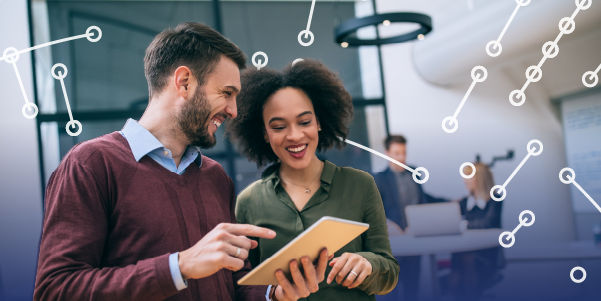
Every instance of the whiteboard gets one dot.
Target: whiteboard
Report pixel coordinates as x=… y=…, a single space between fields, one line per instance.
x=582 y=129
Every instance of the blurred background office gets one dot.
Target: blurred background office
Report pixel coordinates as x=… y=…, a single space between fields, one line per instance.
x=403 y=88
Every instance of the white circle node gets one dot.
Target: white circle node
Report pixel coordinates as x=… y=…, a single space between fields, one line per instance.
x=534 y=73
x=463 y=166
x=567 y=25
x=297 y=60
x=534 y=147
x=526 y=218
x=583 y=4
x=494 y=48
x=523 y=2
x=60 y=74
x=506 y=236
x=450 y=124
x=30 y=110
x=259 y=64
x=304 y=33
x=479 y=74
x=11 y=55
x=594 y=79
x=498 y=193
x=73 y=123
x=582 y=270
x=567 y=175
x=517 y=97
x=550 y=49
x=90 y=35
x=420 y=172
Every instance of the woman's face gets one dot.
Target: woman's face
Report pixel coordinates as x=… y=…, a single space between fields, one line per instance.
x=470 y=185
x=291 y=127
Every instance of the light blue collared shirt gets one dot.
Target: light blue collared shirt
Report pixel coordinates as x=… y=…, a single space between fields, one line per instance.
x=143 y=143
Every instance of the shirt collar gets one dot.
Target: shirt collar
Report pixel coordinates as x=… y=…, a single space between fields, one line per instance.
x=472 y=202
x=271 y=174
x=142 y=142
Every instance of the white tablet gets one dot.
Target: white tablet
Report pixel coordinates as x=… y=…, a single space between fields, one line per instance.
x=328 y=232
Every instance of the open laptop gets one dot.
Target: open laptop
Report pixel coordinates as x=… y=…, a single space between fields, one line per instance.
x=433 y=219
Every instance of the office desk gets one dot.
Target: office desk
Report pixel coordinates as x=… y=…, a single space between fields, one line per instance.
x=554 y=251
x=470 y=240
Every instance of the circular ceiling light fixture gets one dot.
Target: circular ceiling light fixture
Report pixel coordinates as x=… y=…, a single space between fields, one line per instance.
x=344 y=31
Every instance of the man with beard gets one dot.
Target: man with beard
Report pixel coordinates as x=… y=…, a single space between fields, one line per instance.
x=141 y=214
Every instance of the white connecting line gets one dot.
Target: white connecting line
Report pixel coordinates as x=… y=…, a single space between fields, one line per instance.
x=550 y=50
x=60 y=75
x=450 y=123
x=593 y=76
x=568 y=176
x=507 y=238
x=499 y=192
x=29 y=110
x=307 y=32
x=257 y=62
x=494 y=48
x=417 y=172
x=11 y=56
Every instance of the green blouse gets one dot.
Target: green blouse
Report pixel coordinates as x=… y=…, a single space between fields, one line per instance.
x=344 y=193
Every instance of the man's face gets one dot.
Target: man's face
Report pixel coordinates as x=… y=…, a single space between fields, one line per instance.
x=211 y=104
x=397 y=151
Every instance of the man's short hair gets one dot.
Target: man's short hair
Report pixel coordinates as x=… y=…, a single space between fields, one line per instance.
x=390 y=139
x=190 y=44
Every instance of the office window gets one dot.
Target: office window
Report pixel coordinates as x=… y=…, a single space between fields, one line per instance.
x=106 y=83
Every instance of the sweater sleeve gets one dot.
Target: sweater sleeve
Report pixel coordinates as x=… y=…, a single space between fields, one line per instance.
x=70 y=262
x=385 y=269
x=245 y=292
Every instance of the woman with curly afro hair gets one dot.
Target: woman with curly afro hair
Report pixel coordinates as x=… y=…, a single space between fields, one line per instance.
x=284 y=118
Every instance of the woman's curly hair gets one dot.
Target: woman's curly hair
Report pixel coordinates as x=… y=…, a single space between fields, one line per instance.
x=332 y=103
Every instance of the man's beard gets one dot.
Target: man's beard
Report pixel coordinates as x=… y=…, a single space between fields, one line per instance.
x=193 y=120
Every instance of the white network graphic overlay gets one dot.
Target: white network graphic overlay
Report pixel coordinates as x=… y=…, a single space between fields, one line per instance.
x=568 y=176
x=494 y=48
x=450 y=123
x=507 y=238
x=582 y=278
x=462 y=172
x=534 y=148
x=258 y=63
x=11 y=56
x=60 y=76
x=306 y=33
x=420 y=174
x=591 y=78
x=298 y=60
x=550 y=50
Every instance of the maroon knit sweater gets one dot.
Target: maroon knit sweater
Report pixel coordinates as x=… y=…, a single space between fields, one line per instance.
x=110 y=224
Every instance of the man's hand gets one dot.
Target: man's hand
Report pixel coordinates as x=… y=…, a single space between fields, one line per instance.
x=226 y=246
x=304 y=285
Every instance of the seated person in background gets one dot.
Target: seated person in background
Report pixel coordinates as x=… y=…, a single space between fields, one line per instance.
x=285 y=118
x=398 y=190
x=472 y=272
